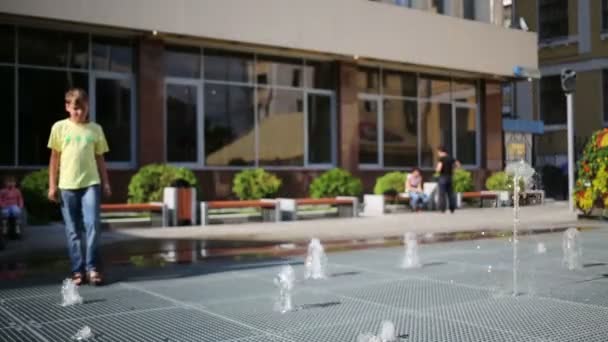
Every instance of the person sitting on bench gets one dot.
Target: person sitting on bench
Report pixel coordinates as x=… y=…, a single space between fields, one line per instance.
x=11 y=202
x=413 y=187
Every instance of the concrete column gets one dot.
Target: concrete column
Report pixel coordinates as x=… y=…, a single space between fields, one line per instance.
x=348 y=118
x=491 y=126
x=150 y=92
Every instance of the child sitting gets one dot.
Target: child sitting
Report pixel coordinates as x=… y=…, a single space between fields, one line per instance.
x=11 y=203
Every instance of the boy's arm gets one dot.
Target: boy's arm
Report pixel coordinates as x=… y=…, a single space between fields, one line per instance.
x=103 y=172
x=53 y=170
x=20 y=198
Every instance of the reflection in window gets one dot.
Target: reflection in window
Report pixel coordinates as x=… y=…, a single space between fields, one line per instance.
x=368 y=80
x=111 y=54
x=552 y=101
x=53 y=48
x=229 y=125
x=319 y=129
x=400 y=137
x=228 y=66
x=41 y=104
x=434 y=88
x=182 y=123
x=399 y=83
x=279 y=71
x=7 y=47
x=320 y=75
x=463 y=91
x=183 y=62
x=113 y=113
x=466 y=128
x=281 y=127
x=436 y=130
x=7 y=116
x=368 y=131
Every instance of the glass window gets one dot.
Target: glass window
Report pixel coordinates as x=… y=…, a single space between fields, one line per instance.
x=466 y=138
x=463 y=91
x=553 y=18
x=368 y=131
x=507 y=100
x=281 y=127
x=111 y=54
x=279 y=71
x=7 y=116
x=229 y=125
x=320 y=75
x=41 y=104
x=436 y=130
x=182 y=123
x=399 y=83
x=228 y=66
x=438 y=6
x=113 y=113
x=319 y=129
x=368 y=80
x=7 y=47
x=468 y=9
x=400 y=133
x=53 y=48
x=552 y=101
x=183 y=62
x=434 y=88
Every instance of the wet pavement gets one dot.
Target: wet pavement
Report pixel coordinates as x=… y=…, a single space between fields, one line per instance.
x=194 y=290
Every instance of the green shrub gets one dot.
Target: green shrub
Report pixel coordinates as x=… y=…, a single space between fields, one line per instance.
x=255 y=184
x=501 y=181
x=148 y=183
x=35 y=187
x=394 y=181
x=335 y=182
x=462 y=181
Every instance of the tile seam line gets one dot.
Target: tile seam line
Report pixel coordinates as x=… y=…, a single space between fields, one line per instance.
x=25 y=326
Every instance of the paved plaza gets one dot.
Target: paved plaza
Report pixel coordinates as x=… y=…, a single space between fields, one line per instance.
x=461 y=293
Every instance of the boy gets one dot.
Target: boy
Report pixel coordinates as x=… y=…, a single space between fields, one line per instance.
x=77 y=147
x=11 y=202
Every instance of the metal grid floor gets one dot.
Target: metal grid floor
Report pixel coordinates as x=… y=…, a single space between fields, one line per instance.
x=461 y=294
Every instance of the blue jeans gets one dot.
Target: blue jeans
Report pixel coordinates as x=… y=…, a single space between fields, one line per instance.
x=81 y=209
x=416 y=197
x=11 y=211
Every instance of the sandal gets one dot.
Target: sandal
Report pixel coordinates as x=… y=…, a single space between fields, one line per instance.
x=95 y=278
x=77 y=279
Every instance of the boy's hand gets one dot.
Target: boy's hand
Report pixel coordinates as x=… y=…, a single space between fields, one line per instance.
x=52 y=195
x=107 y=190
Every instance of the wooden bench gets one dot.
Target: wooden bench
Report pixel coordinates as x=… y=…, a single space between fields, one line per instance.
x=347 y=206
x=138 y=207
x=269 y=208
x=481 y=195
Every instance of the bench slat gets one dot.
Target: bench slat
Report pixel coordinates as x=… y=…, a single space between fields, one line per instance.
x=319 y=201
x=124 y=207
x=240 y=204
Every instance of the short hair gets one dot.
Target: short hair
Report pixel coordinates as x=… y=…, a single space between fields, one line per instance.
x=77 y=96
x=442 y=149
x=415 y=169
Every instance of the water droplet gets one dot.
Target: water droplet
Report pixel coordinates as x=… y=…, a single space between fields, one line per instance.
x=478 y=247
x=490 y=269
x=483 y=233
x=451 y=281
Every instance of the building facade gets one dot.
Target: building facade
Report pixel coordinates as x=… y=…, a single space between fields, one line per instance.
x=572 y=34
x=295 y=88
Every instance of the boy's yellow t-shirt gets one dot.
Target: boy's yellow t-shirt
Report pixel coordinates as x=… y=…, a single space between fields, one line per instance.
x=78 y=144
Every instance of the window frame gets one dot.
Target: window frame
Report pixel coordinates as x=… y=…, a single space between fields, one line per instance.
x=553 y=39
